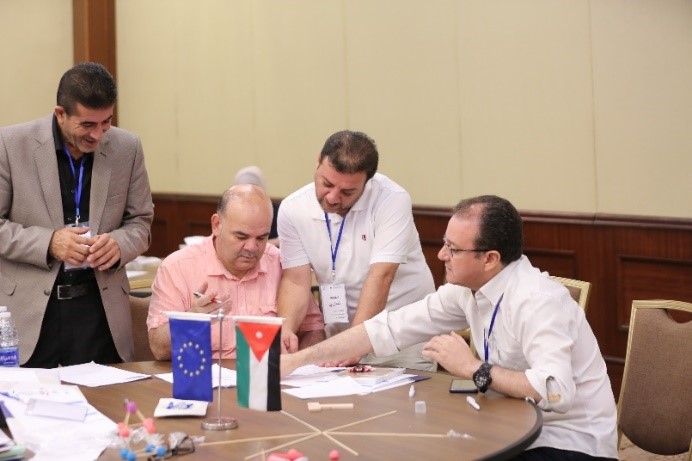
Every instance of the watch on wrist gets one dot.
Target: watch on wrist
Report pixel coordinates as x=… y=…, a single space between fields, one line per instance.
x=481 y=377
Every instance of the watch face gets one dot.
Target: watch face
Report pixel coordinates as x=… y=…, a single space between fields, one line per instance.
x=482 y=377
x=481 y=380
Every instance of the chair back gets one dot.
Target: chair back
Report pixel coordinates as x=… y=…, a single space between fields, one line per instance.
x=655 y=404
x=139 y=310
x=578 y=289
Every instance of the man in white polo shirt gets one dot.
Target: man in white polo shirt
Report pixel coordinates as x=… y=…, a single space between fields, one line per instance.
x=354 y=228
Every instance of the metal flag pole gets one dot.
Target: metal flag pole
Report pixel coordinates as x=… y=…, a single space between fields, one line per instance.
x=220 y=423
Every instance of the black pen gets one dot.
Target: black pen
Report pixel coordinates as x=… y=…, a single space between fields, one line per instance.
x=199 y=295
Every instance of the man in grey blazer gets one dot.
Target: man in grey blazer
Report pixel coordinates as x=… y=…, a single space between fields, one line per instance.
x=75 y=207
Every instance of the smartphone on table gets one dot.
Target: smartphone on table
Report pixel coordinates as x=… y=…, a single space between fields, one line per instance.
x=463 y=386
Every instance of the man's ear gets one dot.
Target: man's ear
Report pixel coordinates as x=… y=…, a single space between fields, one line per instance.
x=60 y=112
x=215 y=224
x=492 y=260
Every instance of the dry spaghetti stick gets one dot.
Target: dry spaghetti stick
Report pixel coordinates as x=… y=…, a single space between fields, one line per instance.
x=361 y=421
x=301 y=421
x=253 y=439
x=355 y=453
x=285 y=444
x=391 y=434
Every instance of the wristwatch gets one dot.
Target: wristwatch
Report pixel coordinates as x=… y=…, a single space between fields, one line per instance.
x=481 y=377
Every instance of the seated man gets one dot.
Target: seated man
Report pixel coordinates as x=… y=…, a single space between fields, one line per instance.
x=533 y=338
x=233 y=268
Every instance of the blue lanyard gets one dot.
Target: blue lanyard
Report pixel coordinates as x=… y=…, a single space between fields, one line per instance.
x=78 y=189
x=334 y=248
x=486 y=338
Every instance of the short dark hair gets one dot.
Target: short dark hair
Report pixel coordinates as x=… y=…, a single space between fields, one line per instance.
x=89 y=84
x=351 y=152
x=500 y=227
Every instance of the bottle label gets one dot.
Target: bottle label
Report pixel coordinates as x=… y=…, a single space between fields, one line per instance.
x=9 y=356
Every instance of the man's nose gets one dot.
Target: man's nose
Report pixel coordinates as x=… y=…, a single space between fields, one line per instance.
x=332 y=196
x=251 y=245
x=442 y=254
x=97 y=133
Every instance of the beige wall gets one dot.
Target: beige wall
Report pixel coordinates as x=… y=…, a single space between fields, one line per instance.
x=35 y=50
x=576 y=105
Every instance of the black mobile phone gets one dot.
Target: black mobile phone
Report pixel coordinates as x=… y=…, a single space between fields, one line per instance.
x=463 y=386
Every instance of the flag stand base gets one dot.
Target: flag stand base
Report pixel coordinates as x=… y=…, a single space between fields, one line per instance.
x=220 y=423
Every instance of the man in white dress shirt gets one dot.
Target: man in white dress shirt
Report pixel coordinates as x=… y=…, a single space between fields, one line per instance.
x=532 y=337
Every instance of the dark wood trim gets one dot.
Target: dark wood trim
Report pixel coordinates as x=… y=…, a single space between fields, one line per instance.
x=624 y=257
x=94 y=34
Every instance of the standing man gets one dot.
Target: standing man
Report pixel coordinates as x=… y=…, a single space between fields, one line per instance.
x=533 y=338
x=354 y=228
x=75 y=207
x=233 y=268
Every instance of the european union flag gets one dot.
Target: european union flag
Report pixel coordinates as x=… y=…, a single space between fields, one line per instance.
x=191 y=359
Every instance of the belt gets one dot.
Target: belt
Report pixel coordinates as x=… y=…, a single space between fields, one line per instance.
x=63 y=292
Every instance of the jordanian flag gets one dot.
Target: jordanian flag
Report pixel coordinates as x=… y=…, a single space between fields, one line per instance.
x=258 y=342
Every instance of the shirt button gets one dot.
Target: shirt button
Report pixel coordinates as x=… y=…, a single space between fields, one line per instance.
x=46 y=292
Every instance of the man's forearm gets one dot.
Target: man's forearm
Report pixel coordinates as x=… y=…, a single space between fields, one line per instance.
x=512 y=383
x=375 y=292
x=160 y=342
x=354 y=341
x=294 y=293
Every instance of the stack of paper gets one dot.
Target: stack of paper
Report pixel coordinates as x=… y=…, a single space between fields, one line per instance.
x=47 y=433
x=316 y=384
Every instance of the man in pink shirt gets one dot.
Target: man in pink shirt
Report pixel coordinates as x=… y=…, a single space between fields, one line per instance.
x=234 y=265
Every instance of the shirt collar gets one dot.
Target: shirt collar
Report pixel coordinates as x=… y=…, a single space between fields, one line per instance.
x=57 y=136
x=496 y=286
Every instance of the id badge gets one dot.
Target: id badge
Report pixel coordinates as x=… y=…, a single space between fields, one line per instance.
x=87 y=234
x=334 y=307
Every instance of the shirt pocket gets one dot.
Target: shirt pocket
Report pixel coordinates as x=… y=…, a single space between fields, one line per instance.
x=507 y=353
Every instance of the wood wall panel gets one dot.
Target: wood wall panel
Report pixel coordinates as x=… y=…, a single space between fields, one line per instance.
x=624 y=258
x=93 y=36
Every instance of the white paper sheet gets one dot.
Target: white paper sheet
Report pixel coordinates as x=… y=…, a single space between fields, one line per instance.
x=54 y=438
x=228 y=377
x=344 y=385
x=93 y=375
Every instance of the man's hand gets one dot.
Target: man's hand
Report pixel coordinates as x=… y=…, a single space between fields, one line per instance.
x=452 y=352
x=289 y=341
x=104 y=252
x=70 y=245
x=205 y=301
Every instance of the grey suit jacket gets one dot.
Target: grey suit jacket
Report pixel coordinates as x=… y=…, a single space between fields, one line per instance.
x=31 y=209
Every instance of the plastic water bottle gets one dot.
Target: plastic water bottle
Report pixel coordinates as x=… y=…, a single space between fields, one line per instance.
x=9 y=340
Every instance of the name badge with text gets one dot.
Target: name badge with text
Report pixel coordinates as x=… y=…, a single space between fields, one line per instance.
x=334 y=306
